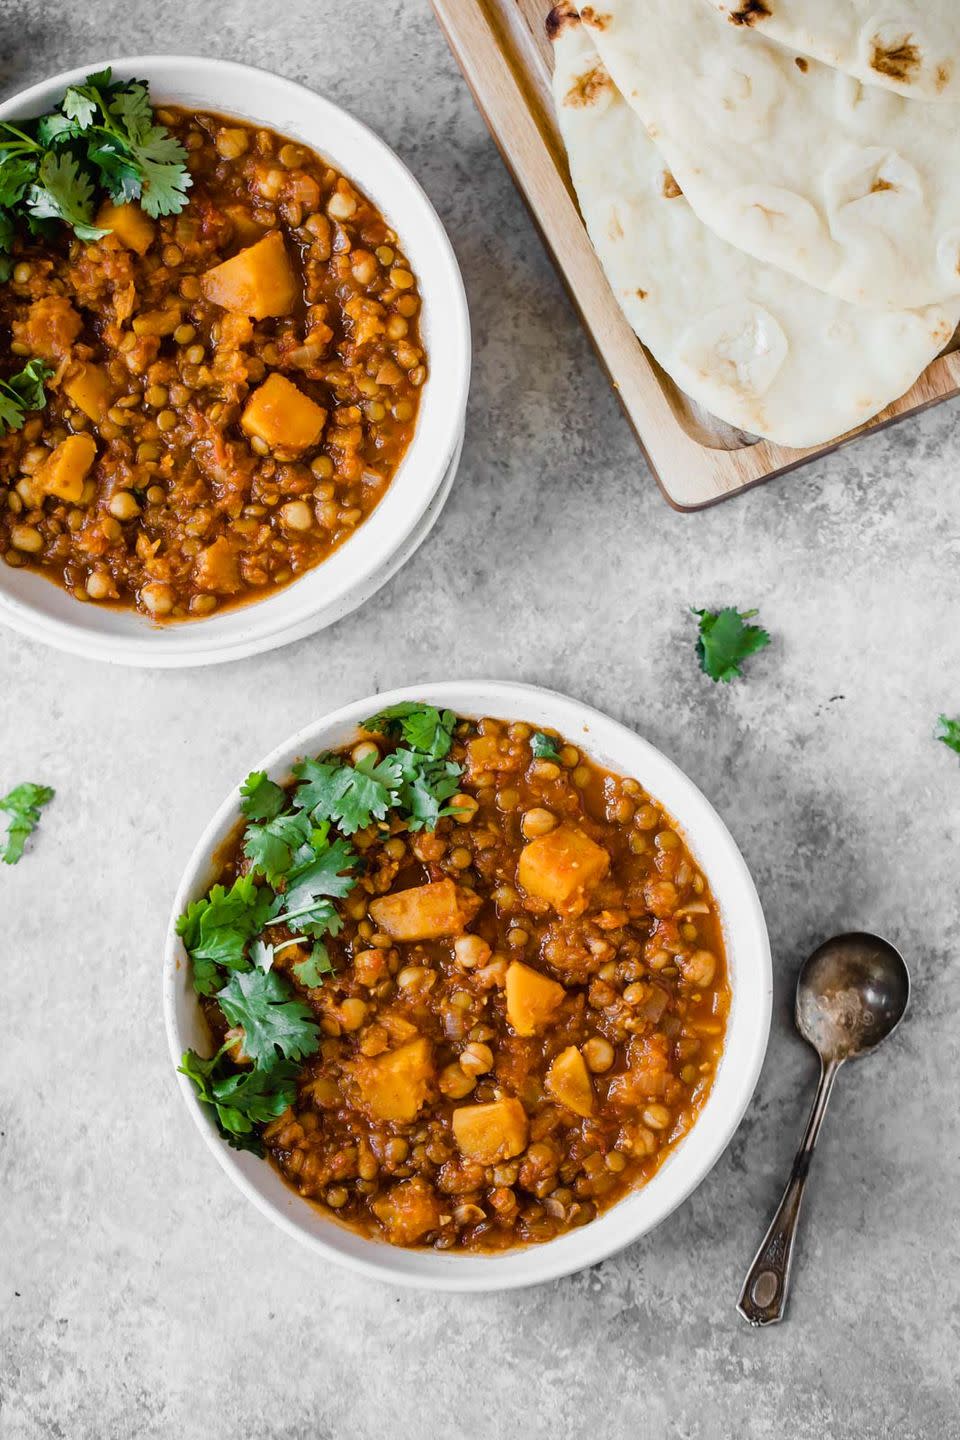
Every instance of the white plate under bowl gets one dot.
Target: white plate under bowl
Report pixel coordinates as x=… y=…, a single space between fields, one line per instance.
x=42 y=611
x=748 y=958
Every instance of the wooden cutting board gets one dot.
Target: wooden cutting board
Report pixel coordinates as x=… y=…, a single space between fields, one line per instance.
x=502 y=49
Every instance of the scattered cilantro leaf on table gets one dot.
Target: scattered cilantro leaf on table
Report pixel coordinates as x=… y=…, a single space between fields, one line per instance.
x=23 y=804
x=272 y=1021
x=726 y=640
x=544 y=747
x=22 y=392
x=949 y=733
x=423 y=727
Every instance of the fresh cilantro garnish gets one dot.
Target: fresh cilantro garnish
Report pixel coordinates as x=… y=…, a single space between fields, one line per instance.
x=726 y=641
x=259 y=1001
x=22 y=392
x=23 y=805
x=103 y=137
x=262 y=799
x=423 y=727
x=543 y=746
x=272 y=847
x=424 y=785
x=310 y=972
x=305 y=904
x=241 y=1099
x=217 y=929
x=950 y=733
x=349 y=795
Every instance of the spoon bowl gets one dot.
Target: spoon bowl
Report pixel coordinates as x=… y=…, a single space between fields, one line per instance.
x=851 y=994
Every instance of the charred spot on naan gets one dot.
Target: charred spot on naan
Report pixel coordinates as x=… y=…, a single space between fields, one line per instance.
x=669 y=188
x=750 y=13
x=942 y=77
x=596 y=19
x=588 y=88
x=899 y=62
x=802 y=65
x=561 y=17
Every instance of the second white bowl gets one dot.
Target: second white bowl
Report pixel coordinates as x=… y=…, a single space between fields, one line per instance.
x=42 y=611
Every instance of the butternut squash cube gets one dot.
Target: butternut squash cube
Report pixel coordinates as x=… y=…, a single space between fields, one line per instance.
x=258 y=281
x=91 y=390
x=280 y=414
x=408 y=1211
x=64 y=471
x=216 y=569
x=490 y=1133
x=532 y=999
x=394 y=1086
x=131 y=225
x=569 y=1082
x=49 y=328
x=562 y=868
x=425 y=912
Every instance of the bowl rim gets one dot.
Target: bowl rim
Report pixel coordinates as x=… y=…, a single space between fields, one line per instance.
x=282 y=616
x=533 y=1264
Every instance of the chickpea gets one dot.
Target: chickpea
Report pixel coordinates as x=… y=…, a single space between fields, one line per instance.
x=26 y=538
x=99 y=585
x=658 y=1117
x=157 y=598
x=365 y=750
x=296 y=515
x=538 y=822
x=352 y=1014
x=123 y=506
x=598 y=1053
x=470 y=951
x=476 y=1059
x=699 y=968
x=455 y=1083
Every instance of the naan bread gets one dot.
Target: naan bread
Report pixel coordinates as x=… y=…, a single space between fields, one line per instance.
x=847 y=186
x=756 y=347
x=910 y=46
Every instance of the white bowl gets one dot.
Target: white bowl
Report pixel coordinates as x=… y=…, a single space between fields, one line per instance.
x=42 y=611
x=748 y=957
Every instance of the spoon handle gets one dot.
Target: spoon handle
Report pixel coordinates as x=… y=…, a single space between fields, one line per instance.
x=763 y=1299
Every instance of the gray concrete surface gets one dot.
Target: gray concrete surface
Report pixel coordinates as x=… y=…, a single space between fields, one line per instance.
x=140 y=1296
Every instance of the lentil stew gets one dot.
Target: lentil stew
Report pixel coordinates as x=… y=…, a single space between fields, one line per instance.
x=233 y=386
x=518 y=1003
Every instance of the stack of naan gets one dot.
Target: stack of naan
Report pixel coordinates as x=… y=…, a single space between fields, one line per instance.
x=773 y=189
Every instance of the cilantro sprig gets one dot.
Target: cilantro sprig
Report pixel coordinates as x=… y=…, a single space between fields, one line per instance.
x=22 y=392
x=726 y=640
x=949 y=733
x=102 y=138
x=299 y=863
x=23 y=804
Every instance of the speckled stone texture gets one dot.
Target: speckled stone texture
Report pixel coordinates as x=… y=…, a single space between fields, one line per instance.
x=140 y=1295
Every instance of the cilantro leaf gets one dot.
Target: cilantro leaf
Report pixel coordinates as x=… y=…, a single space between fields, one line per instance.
x=423 y=727
x=950 y=735
x=22 y=392
x=64 y=192
x=424 y=786
x=16 y=174
x=349 y=795
x=544 y=747
x=241 y=1099
x=271 y=847
x=23 y=805
x=726 y=641
x=259 y=1001
x=304 y=906
x=262 y=799
x=215 y=930
x=310 y=972
x=78 y=104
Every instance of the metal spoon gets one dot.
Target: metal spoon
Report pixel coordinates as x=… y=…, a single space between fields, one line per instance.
x=851 y=994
